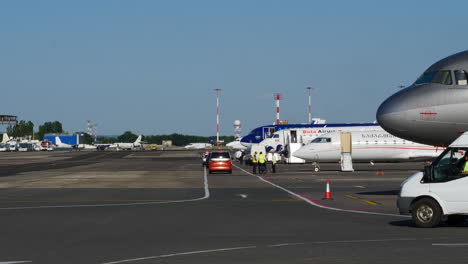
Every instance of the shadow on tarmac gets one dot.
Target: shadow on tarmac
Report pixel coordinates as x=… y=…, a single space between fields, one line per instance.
x=391 y=192
x=408 y=223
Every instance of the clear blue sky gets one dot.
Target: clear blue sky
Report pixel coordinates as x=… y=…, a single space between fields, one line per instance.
x=151 y=66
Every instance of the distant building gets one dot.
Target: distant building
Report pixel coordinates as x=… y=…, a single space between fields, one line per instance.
x=71 y=139
x=167 y=143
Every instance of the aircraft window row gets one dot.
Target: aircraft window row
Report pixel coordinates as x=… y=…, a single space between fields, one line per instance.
x=322 y=140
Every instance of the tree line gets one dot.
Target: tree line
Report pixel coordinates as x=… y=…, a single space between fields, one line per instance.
x=177 y=139
x=26 y=128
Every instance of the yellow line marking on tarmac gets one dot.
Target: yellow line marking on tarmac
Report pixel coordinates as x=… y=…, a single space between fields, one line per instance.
x=362 y=200
x=287 y=200
x=296 y=179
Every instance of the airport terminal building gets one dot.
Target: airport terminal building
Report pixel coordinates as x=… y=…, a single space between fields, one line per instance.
x=71 y=139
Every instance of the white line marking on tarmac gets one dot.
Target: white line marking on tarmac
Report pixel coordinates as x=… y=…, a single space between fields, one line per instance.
x=360 y=186
x=268 y=246
x=452 y=245
x=206 y=196
x=286 y=244
x=242 y=195
x=316 y=204
x=180 y=254
x=15 y=262
x=366 y=240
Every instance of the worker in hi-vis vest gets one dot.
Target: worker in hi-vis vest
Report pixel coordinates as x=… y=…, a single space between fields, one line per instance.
x=254 y=163
x=261 y=163
x=465 y=164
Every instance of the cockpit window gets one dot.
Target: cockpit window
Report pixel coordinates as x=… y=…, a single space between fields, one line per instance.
x=461 y=77
x=275 y=136
x=442 y=77
x=254 y=133
x=321 y=140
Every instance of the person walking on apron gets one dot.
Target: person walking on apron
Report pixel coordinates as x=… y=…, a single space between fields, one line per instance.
x=273 y=163
x=254 y=163
x=261 y=163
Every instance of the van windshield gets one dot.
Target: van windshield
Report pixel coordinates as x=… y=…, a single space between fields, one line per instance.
x=452 y=165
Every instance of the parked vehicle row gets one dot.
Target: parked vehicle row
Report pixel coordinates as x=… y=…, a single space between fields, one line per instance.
x=26 y=146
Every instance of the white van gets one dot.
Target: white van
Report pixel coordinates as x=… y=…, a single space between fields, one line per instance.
x=12 y=146
x=440 y=191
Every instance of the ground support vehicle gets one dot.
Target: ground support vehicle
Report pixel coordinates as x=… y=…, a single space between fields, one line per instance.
x=439 y=192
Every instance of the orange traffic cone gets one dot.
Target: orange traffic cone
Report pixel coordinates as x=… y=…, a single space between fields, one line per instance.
x=328 y=195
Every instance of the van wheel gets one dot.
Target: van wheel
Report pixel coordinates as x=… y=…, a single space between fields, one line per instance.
x=456 y=219
x=316 y=169
x=426 y=213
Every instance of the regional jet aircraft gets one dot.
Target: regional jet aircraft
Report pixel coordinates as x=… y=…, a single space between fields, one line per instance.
x=198 y=146
x=260 y=133
x=366 y=146
x=127 y=146
x=279 y=140
x=433 y=110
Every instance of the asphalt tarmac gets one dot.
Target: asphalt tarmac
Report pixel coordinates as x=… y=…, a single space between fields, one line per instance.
x=162 y=207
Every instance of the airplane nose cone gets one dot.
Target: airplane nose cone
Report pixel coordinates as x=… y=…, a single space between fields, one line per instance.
x=245 y=141
x=391 y=115
x=301 y=153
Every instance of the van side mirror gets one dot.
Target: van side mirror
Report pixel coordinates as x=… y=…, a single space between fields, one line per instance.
x=427 y=174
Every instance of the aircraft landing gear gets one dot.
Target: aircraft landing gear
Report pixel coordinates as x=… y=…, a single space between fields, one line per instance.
x=316 y=166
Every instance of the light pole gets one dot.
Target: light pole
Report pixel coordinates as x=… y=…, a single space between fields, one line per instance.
x=217 y=116
x=310 y=103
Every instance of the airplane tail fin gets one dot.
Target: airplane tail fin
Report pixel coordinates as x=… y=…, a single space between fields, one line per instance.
x=138 y=140
x=57 y=140
x=6 y=138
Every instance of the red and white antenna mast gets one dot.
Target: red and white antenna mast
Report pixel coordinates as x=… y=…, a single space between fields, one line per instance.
x=95 y=132
x=277 y=97
x=217 y=116
x=90 y=128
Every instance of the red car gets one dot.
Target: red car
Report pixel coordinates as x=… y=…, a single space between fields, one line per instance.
x=219 y=161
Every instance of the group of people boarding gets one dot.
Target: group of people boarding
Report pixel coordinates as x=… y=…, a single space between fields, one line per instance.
x=259 y=160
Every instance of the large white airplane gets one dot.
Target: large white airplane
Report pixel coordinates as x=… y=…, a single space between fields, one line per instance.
x=236 y=144
x=129 y=146
x=280 y=139
x=366 y=146
x=198 y=146
x=85 y=146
